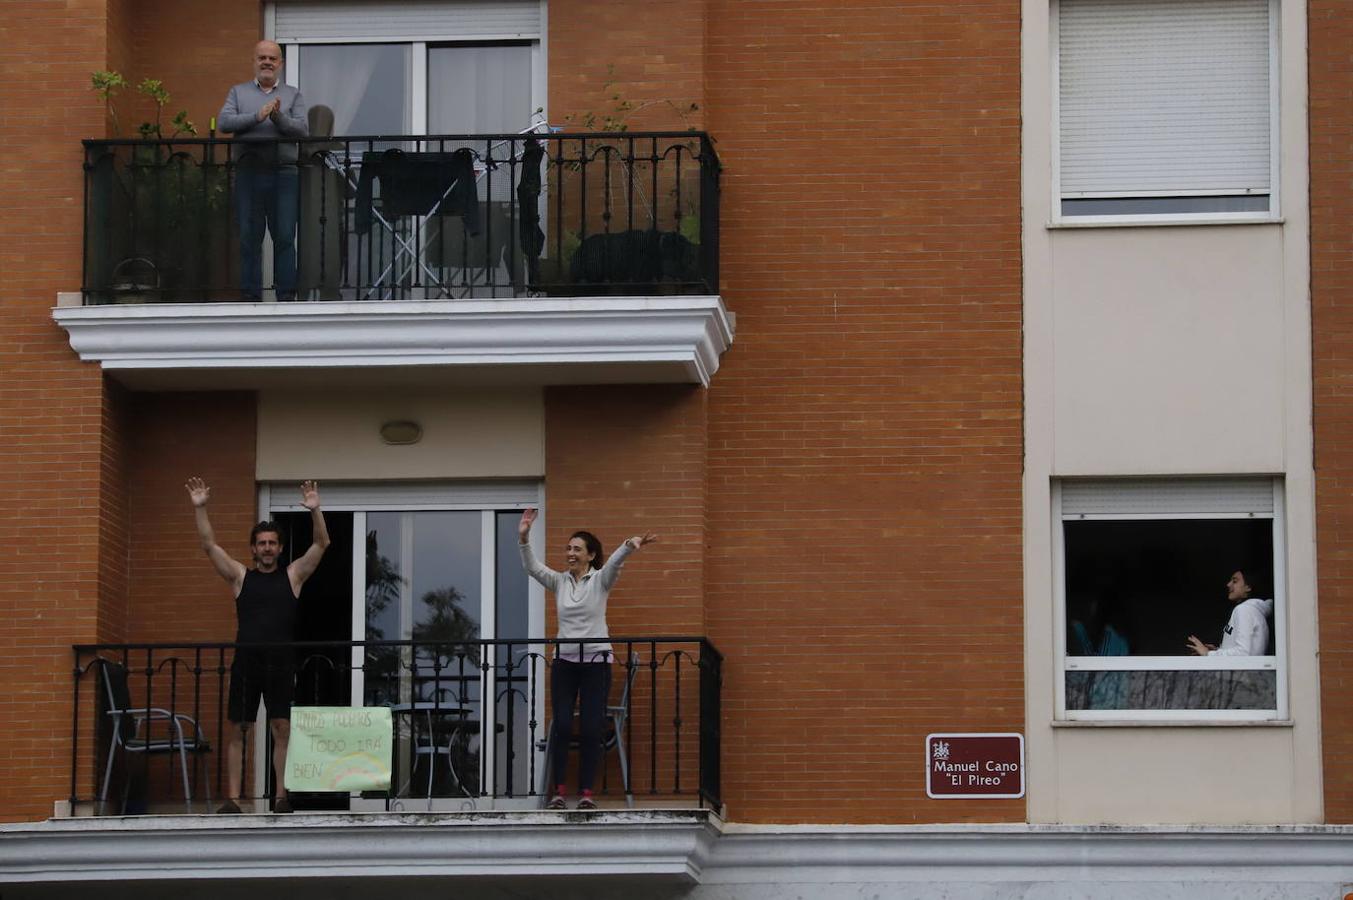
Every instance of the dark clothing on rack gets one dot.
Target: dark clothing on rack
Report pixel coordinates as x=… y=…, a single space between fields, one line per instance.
x=532 y=239
x=419 y=184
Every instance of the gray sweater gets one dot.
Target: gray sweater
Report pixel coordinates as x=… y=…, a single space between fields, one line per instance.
x=239 y=116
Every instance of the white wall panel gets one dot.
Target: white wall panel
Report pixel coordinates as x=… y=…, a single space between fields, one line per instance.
x=1169 y=353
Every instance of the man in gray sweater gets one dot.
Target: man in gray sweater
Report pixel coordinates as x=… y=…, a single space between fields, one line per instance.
x=266 y=192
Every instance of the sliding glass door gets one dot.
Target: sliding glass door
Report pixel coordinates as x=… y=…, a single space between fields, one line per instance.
x=437 y=570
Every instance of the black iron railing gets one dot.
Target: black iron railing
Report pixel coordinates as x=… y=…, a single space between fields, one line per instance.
x=399 y=217
x=471 y=722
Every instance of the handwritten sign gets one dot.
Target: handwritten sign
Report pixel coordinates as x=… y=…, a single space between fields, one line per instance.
x=974 y=766
x=339 y=748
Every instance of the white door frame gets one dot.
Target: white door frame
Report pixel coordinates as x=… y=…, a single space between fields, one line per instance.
x=361 y=498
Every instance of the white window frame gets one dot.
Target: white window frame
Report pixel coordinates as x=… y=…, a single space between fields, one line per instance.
x=1064 y=663
x=418 y=58
x=1272 y=215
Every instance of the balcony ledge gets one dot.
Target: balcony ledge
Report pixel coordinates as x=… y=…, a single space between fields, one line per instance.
x=533 y=341
x=669 y=845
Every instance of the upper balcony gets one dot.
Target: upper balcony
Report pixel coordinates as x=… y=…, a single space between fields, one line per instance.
x=530 y=258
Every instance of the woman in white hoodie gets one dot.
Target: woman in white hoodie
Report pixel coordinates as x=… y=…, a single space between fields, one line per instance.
x=581 y=675
x=1246 y=634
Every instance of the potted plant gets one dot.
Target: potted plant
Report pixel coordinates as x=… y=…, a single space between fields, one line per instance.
x=157 y=212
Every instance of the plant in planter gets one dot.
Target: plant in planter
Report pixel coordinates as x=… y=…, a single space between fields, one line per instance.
x=162 y=208
x=648 y=229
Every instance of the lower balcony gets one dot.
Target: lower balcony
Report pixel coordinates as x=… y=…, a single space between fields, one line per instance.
x=466 y=746
x=425 y=726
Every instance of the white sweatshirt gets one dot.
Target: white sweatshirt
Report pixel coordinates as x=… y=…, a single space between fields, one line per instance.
x=1246 y=634
x=581 y=604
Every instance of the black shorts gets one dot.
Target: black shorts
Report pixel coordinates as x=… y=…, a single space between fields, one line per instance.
x=256 y=674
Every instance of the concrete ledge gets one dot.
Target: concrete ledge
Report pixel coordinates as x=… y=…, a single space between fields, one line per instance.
x=1028 y=853
x=584 y=340
x=365 y=847
x=661 y=854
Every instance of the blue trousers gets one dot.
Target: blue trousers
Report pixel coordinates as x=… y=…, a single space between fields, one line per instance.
x=588 y=685
x=267 y=197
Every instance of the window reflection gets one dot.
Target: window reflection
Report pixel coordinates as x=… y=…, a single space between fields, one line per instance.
x=1205 y=689
x=423 y=583
x=366 y=85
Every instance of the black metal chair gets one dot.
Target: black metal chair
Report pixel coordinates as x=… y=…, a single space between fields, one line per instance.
x=134 y=731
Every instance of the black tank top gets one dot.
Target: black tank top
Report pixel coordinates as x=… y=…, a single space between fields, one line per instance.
x=266 y=607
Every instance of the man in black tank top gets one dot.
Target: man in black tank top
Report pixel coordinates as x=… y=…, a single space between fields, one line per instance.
x=266 y=600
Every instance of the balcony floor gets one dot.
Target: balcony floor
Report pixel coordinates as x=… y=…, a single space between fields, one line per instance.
x=235 y=346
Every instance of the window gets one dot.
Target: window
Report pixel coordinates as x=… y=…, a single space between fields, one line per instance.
x=1166 y=108
x=411 y=68
x=437 y=565
x=1144 y=564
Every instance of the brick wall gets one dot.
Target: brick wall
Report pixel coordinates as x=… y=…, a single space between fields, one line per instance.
x=621 y=461
x=646 y=55
x=864 y=568
x=198 y=70
x=114 y=524
x=840 y=512
x=52 y=478
x=121 y=58
x=175 y=594
x=1331 y=133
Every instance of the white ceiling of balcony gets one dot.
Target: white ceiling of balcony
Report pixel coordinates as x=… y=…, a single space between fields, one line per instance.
x=228 y=346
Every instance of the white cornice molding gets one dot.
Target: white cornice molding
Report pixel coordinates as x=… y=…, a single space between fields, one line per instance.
x=686 y=332
x=1023 y=853
x=680 y=846
x=669 y=845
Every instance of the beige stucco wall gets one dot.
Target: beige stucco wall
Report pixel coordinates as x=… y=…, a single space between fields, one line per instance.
x=467 y=433
x=1168 y=350
x=1177 y=776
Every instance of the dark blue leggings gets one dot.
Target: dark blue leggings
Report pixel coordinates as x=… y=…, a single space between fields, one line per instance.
x=587 y=685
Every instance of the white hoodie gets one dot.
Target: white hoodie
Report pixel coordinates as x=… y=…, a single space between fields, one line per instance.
x=1246 y=634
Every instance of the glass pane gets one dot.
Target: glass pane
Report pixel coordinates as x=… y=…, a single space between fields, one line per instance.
x=1163 y=206
x=513 y=604
x=385 y=586
x=1141 y=588
x=446 y=590
x=423 y=583
x=1246 y=689
x=479 y=88
x=519 y=672
x=366 y=85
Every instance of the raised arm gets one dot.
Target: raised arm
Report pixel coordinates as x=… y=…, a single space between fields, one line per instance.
x=304 y=565
x=547 y=577
x=229 y=569
x=611 y=571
